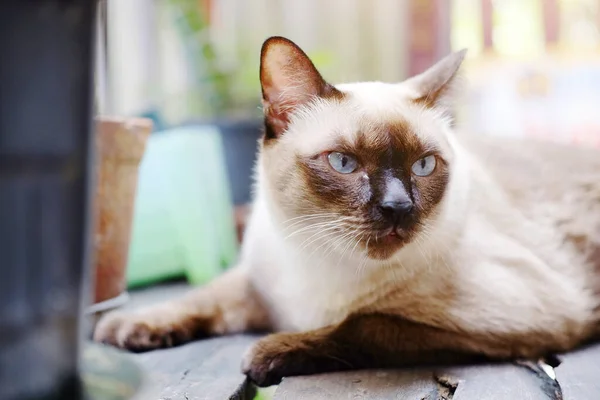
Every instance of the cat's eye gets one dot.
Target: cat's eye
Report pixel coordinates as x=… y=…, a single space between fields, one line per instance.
x=342 y=163
x=424 y=166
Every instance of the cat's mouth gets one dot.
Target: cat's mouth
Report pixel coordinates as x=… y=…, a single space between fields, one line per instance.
x=386 y=243
x=390 y=236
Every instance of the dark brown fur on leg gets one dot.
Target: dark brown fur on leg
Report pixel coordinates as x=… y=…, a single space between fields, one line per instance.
x=226 y=305
x=365 y=341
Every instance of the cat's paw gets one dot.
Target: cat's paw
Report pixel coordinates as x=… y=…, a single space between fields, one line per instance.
x=273 y=358
x=279 y=355
x=138 y=332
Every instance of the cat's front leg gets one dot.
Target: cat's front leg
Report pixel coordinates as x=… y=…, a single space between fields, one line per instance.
x=365 y=341
x=226 y=305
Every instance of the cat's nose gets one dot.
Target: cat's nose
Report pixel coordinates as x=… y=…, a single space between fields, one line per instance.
x=396 y=211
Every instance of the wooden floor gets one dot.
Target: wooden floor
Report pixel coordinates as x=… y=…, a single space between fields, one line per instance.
x=209 y=369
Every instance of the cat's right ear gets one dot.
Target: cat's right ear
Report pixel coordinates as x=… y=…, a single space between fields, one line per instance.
x=289 y=80
x=435 y=87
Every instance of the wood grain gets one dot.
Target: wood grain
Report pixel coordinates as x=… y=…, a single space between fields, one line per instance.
x=210 y=369
x=360 y=385
x=489 y=382
x=496 y=382
x=202 y=370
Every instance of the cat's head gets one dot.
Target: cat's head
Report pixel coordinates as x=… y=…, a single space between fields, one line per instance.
x=363 y=165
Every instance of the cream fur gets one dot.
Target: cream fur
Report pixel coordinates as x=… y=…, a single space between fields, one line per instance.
x=492 y=259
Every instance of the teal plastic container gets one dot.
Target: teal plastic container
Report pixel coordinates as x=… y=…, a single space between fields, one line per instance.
x=183 y=220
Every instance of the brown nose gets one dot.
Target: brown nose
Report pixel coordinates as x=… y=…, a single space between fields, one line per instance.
x=396 y=211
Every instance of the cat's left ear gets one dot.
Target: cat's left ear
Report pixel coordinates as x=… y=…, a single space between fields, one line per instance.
x=434 y=87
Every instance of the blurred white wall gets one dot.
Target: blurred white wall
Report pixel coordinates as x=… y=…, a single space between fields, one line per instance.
x=364 y=39
x=133 y=61
x=349 y=40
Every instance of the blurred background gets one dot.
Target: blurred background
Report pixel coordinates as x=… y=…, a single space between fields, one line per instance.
x=169 y=162
x=533 y=69
x=182 y=60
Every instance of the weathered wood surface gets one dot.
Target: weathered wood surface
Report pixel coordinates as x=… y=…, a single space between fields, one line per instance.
x=497 y=382
x=579 y=374
x=493 y=382
x=376 y=385
x=210 y=369
x=203 y=370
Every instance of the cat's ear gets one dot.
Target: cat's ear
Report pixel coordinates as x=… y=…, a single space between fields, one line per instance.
x=289 y=80
x=434 y=87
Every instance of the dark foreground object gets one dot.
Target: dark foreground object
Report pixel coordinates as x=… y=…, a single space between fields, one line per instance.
x=46 y=50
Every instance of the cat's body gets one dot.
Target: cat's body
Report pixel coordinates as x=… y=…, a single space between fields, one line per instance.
x=494 y=251
x=513 y=241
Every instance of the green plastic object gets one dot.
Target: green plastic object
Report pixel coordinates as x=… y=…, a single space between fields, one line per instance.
x=183 y=219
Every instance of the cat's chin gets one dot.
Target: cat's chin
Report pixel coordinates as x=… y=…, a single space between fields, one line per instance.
x=384 y=247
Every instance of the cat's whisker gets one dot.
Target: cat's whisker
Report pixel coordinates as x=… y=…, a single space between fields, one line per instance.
x=309 y=216
x=326 y=242
x=304 y=218
x=304 y=244
x=344 y=233
x=341 y=241
x=342 y=229
x=334 y=244
x=303 y=223
x=317 y=225
x=358 y=239
x=331 y=247
x=337 y=221
x=346 y=249
x=365 y=259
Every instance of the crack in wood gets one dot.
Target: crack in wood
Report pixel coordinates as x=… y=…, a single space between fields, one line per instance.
x=446 y=387
x=184 y=374
x=550 y=387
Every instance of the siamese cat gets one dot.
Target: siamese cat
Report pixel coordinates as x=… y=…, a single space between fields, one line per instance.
x=381 y=237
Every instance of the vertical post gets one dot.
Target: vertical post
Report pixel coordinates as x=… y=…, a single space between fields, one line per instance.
x=551 y=15
x=104 y=99
x=429 y=33
x=46 y=92
x=487 y=11
x=444 y=30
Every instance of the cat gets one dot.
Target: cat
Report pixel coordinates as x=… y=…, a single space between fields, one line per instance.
x=381 y=236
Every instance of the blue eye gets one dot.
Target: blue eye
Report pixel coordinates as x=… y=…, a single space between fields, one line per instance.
x=424 y=166
x=342 y=163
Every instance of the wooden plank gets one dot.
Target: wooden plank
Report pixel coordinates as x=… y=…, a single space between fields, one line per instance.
x=209 y=369
x=579 y=374
x=495 y=382
x=206 y=369
x=356 y=385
